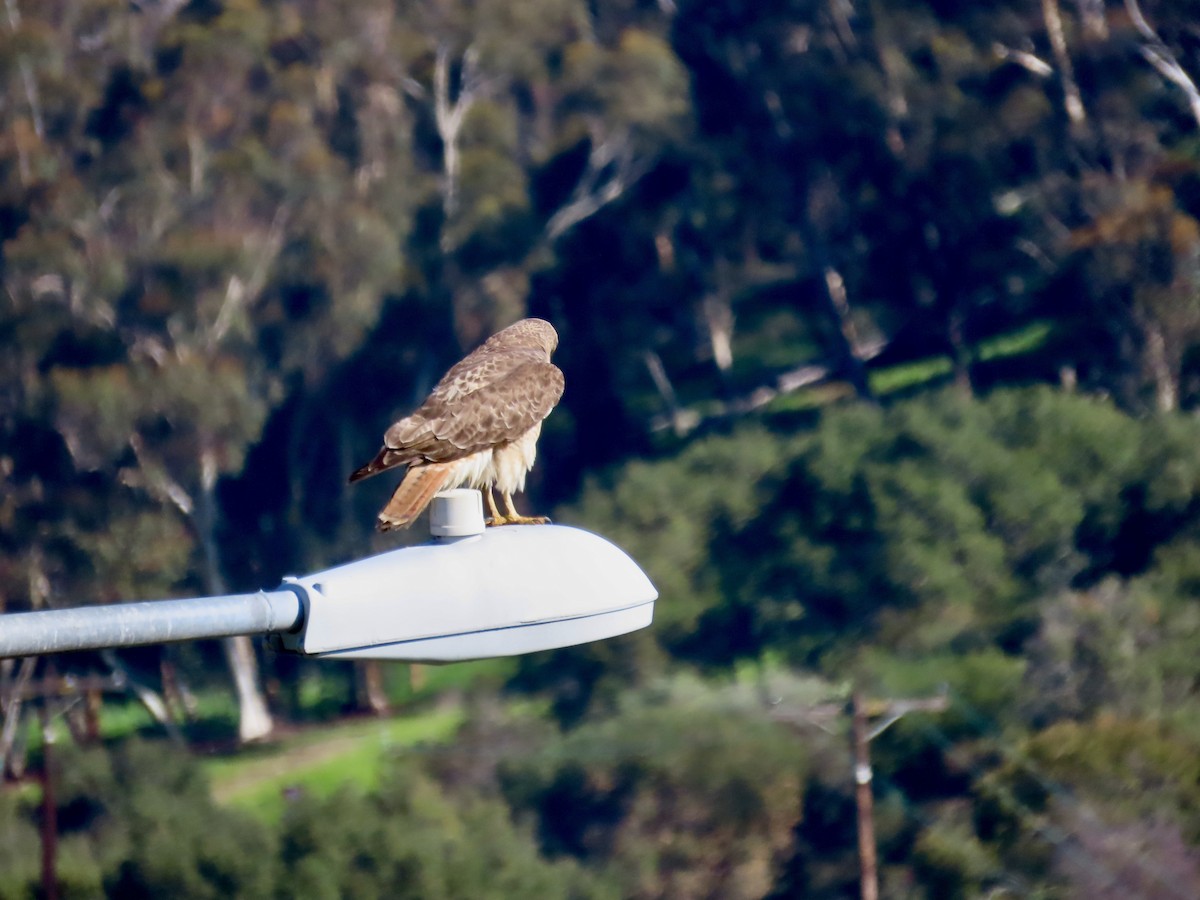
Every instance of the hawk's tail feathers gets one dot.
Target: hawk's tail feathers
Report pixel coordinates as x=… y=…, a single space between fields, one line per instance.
x=385 y=459
x=413 y=494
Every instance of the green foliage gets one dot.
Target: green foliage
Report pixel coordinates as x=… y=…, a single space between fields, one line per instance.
x=1120 y=647
x=238 y=236
x=940 y=544
x=178 y=842
x=138 y=823
x=1135 y=761
x=685 y=792
x=987 y=683
x=19 y=849
x=522 y=38
x=138 y=554
x=670 y=514
x=1030 y=553
x=1110 y=801
x=952 y=861
x=940 y=522
x=639 y=84
x=409 y=841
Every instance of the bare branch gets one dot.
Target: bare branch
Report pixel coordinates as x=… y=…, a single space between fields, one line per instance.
x=1159 y=55
x=686 y=419
x=716 y=310
x=1091 y=12
x=822 y=715
x=842 y=12
x=450 y=114
x=612 y=169
x=1024 y=59
x=12 y=709
x=1139 y=21
x=27 y=79
x=1170 y=69
x=1072 y=99
x=158 y=482
x=239 y=293
x=681 y=423
x=448 y=117
x=442 y=109
x=835 y=287
x=149 y=698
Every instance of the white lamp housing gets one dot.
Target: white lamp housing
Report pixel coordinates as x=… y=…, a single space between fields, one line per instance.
x=473 y=593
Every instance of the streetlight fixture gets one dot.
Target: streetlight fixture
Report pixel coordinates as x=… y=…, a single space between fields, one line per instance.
x=471 y=593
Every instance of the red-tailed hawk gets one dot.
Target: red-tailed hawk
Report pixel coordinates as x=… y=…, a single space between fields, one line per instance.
x=478 y=427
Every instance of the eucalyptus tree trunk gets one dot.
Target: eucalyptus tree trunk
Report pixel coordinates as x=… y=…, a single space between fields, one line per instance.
x=1164 y=376
x=14 y=685
x=847 y=351
x=372 y=696
x=1072 y=98
x=254 y=719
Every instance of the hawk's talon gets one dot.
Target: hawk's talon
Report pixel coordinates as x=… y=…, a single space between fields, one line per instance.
x=529 y=520
x=517 y=520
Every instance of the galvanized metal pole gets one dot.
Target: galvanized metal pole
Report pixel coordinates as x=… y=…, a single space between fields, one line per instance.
x=155 y=622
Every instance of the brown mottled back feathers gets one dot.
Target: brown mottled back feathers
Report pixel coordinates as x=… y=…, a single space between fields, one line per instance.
x=490 y=398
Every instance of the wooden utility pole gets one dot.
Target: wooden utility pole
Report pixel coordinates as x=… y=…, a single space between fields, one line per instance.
x=49 y=804
x=862 y=711
x=862 y=732
x=864 y=800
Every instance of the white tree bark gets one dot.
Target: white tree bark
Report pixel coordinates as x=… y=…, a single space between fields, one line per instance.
x=1159 y=55
x=612 y=169
x=149 y=698
x=1072 y=99
x=716 y=310
x=449 y=115
x=254 y=719
x=32 y=97
x=1091 y=13
x=681 y=421
x=12 y=708
x=1166 y=380
x=368 y=678
x=719 y=321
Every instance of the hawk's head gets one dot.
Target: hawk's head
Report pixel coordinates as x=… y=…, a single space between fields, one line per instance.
x=532 y=333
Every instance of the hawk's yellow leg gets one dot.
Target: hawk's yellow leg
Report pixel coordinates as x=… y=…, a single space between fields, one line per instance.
x=495 y=518
x=512 y=517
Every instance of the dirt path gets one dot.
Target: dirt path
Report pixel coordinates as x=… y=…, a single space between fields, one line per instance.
x=298 y=758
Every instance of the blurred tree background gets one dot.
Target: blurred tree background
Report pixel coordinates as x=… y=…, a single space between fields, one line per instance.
x=881 y=329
